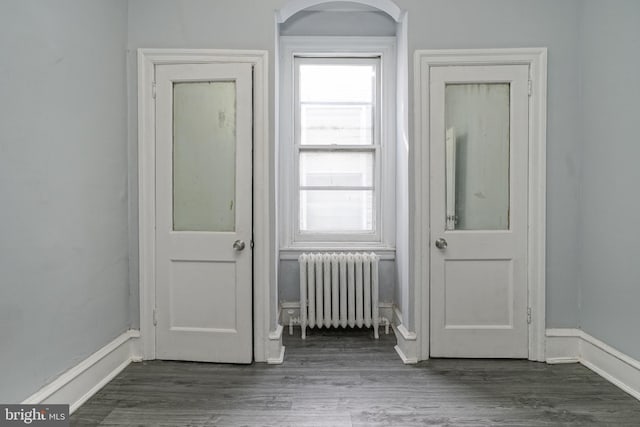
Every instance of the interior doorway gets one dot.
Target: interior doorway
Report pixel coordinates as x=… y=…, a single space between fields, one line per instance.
x=203 y=212
x=198 y=299
x=478 y=188
x=480 y=197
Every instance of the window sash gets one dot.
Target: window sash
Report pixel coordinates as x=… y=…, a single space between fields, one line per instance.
x=366 y=215
x=375 y=150
x=351 y=235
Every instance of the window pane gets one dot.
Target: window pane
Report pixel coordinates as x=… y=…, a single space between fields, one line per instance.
x=353 y=169
x=337 y=83
x=477 y=123
x=336 y=124
x=204 y=151
x=336 y=211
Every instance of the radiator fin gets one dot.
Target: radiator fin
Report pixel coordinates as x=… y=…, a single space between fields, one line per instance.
x=339 y=290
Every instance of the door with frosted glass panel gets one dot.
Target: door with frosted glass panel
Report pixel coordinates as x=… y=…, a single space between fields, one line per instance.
x=478 y=214
x=203 y=212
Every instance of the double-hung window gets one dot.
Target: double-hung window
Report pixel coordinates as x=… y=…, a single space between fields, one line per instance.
x=336 y=143
x=337 y=148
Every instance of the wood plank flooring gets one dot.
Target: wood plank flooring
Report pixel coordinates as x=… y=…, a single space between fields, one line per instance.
x=346 y=378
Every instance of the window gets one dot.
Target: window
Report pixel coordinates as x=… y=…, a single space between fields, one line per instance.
x=337 y=144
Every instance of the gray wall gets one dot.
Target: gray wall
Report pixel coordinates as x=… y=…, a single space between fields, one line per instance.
x=68 y=177
x=245 y=24
x=63 y=181
x=609 y=232
x=220 y=24
x=321 y=23
x=439 y=24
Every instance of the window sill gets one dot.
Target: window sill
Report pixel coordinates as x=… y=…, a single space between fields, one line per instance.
x=385 y=252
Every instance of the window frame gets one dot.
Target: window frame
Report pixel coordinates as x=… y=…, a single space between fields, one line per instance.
x=300 y=148
x=380 y=50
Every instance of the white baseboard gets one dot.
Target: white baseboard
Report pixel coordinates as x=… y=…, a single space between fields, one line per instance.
x=407 y=344
x=611 y=364
x=79 y=383
x=275 y=349
x=575 y=345
x=562 y=346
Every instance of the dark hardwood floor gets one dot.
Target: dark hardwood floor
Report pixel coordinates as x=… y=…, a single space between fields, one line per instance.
x=346 y=378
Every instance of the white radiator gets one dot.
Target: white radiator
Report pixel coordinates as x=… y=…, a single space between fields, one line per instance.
x=339 y=290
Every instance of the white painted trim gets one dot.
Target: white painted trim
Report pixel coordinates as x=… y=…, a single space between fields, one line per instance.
x=611 y=364
x=562 y=346
x=404 y=214
x=295 y=6
x=536 y=58
x=407 y=344
x=290 y=47
x=78 y=384
x=262 y=192
x=396 y=318
x=275 y=354
x=616 y=367
x=537 y=241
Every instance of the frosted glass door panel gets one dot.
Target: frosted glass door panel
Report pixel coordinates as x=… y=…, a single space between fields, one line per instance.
x=477 y=117
x=204 y=151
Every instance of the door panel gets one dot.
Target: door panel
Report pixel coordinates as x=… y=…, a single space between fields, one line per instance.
x=189 y=282
x=203 y=207
x=477 y=294
x=479 y=145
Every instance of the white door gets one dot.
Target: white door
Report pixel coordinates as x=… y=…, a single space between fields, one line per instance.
x=478 y=211
x=204 y=212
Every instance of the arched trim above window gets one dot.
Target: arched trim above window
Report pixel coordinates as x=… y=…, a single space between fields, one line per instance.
x=295 y=6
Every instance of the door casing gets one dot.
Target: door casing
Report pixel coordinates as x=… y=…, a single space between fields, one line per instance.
x=264 y=274
x=536 y=59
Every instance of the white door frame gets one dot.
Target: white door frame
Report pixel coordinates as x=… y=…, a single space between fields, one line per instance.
x=147 y=60
x=536 y=59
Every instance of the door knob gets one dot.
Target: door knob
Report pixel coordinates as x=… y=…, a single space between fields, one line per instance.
x=238 y=245
x=441 y=243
